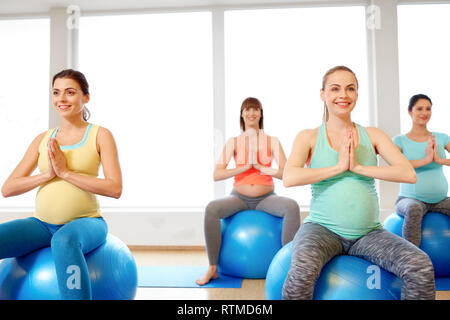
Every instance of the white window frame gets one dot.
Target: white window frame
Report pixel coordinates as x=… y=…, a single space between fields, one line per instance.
x=383 y=87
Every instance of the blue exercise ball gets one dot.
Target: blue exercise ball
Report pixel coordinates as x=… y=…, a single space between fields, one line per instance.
x=111 y=266
x=277 y=272
x=435 y=239
x=343 y=278
x=250 y=240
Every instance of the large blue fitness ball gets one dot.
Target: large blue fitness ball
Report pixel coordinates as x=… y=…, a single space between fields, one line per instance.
x=111 y=267
x=250 y=240
x=435 y=239
x=342 y=278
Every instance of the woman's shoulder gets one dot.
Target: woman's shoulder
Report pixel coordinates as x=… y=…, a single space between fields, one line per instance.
x=441 y=135
x=102 y=133
x=268 y=136
x=441 y=138
x=101 y=130
x=42 y=135
x=36 y=143
x=308 y=133
x=306 y=137
x=371 y=130
x=376 y=135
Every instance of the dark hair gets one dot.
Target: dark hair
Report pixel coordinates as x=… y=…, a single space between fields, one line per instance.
x=82 y=82
x=251 y=103
x=324 y=80
x=413 y=100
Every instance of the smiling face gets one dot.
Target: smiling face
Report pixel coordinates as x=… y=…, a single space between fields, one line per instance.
x=251 y=117
x=421 y=112
x=340 y=93
x=68 y=98
x=251 y=114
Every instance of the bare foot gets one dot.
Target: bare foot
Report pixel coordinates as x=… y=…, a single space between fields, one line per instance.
x=210 y=274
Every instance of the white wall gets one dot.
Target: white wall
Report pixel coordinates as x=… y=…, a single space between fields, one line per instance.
x=185 y=227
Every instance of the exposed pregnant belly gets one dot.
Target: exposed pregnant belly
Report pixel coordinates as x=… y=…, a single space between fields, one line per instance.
x=253 y=190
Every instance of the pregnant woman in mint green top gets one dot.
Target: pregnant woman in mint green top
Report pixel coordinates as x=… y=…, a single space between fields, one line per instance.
x=344 y=217
x=426 y=152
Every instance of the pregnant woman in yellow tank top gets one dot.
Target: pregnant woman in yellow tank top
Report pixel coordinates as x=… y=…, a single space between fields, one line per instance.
x=67 y=214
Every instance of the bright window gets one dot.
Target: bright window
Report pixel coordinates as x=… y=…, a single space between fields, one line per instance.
x=280 y=56
x=150 y=78
x=24 y=94
x=424 y=52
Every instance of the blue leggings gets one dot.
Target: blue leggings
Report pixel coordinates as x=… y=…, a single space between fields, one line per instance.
x=69 y=243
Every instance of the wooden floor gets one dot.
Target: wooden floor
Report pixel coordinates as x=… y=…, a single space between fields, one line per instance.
x=250 y=290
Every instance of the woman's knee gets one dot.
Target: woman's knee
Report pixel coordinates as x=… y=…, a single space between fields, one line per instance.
x=292 y=208
x=301 y=278
x=222 y=208
x=411 y=209
x=212 y=211
x=65 y=240
x=84 y=233
x=417 y=267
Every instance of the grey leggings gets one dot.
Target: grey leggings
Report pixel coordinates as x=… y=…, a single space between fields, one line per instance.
x=227 y=206
x=414 y=210
x=315 y=245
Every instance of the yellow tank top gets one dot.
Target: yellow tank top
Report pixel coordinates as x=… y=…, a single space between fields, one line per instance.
x=58 y=201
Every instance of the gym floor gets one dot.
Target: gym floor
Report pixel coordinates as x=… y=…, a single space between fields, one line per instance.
x=250 y=290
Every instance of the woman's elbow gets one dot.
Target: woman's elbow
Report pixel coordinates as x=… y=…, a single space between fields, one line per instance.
x=5 y=192
x=217 y=175
x=409 y=176
x=287 y=182
x=117 y=195
x=412 y=177
x=116 y=192
x=286 y=178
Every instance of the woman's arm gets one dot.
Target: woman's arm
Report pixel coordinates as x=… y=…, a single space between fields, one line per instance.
x=221 y=172
x=110 y=185
x=20 y=180
x=429 y=154
x=279 y=157
x=399 y=168
x=438 y=159
x=295 y=173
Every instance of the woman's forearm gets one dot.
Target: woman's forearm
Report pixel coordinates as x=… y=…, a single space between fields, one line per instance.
x=222 y=174
x=403 y=174
x=105 y=187
x=445 y=162
x=295 y=176
x=269 y=171
x=419 y=163
x=20 y=185
x=276 y=173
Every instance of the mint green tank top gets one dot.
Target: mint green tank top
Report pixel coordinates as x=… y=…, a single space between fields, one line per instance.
x=346 y=204
x=431 y=185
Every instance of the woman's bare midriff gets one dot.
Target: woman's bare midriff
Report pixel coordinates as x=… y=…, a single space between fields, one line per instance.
x=253 y=190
